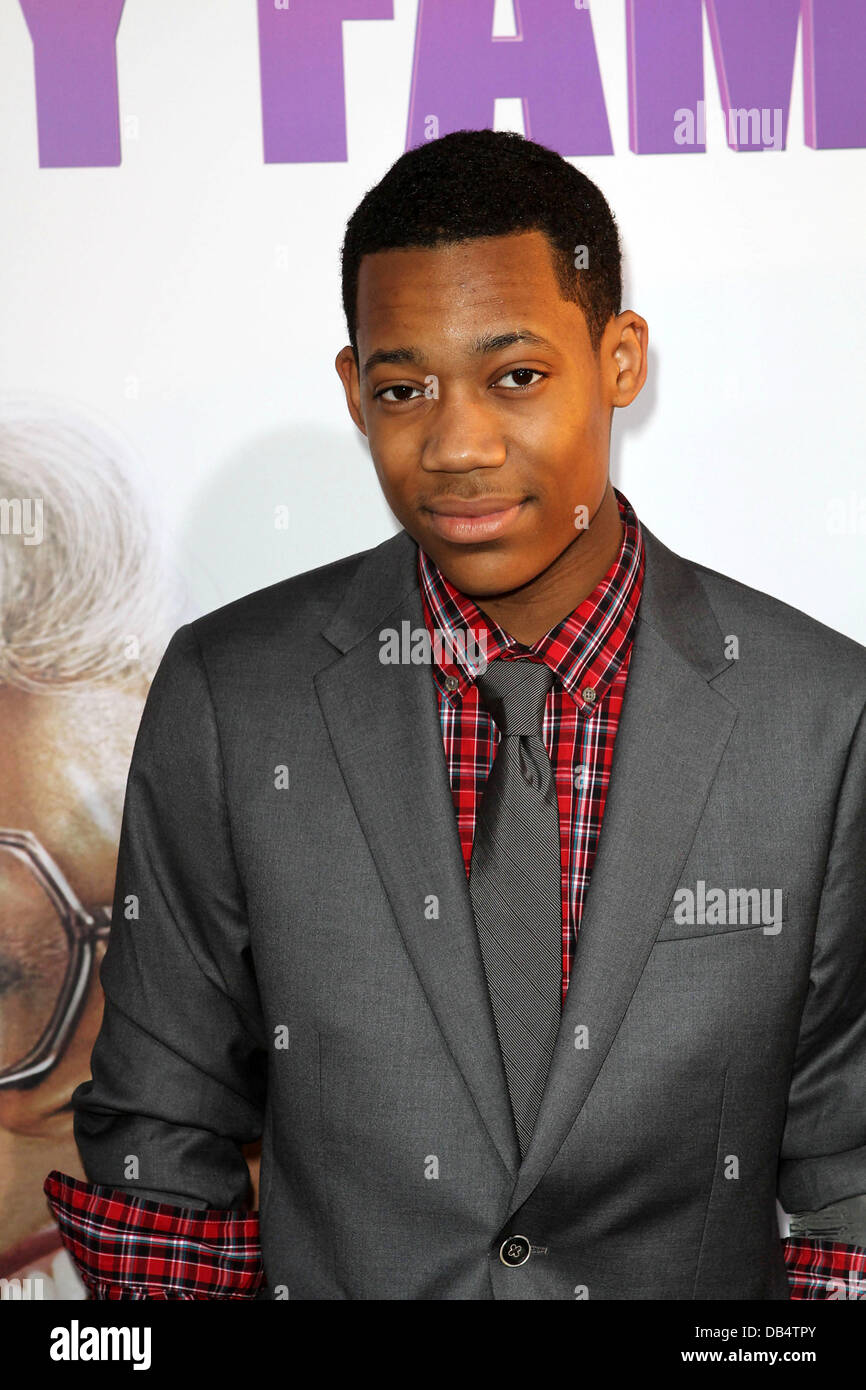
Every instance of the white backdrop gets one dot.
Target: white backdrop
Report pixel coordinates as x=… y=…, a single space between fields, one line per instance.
x=191 y=297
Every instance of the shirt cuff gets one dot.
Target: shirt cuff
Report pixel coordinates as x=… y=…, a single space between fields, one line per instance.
x=825 y=1269
x=127 y=1248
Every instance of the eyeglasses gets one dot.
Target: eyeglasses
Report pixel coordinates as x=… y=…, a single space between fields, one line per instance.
x=48 y=943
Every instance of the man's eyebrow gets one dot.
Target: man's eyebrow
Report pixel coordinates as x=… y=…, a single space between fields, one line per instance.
x=495 y=342
x=483 y=345
x=403 y=354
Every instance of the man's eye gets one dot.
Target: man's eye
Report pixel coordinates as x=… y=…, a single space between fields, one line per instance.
x=520 y=372
x=385 y=393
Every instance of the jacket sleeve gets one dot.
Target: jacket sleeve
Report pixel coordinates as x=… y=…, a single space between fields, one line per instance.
x=179 y=1065
x=823 y=1154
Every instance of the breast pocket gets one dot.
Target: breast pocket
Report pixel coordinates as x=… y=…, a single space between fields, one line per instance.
x=672 y=930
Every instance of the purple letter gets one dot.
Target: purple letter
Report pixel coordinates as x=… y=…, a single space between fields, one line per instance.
x=754 y=47
x=76 y=81
x=665 y=75
x=754 y=43
x=301 y=56
x=834 y=55
x=460 y=70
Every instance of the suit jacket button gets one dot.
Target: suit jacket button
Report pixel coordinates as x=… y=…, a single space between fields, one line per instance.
x=515 y=1250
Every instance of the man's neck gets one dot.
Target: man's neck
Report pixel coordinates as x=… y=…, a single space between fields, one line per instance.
x=529 y=612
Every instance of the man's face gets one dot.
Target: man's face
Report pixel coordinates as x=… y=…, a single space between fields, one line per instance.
x=477 y=384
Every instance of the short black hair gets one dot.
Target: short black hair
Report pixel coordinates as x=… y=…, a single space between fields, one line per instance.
x=482 y=183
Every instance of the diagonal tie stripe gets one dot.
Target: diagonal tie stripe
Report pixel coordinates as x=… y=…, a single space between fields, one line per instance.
x=515 y=884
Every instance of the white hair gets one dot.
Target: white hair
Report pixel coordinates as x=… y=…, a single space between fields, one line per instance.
x=86 y=604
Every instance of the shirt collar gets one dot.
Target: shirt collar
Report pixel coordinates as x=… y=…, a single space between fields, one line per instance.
x=585 y=650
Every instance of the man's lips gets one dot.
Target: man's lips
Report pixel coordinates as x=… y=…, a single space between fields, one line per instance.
x=474 y=519
x=473 y=506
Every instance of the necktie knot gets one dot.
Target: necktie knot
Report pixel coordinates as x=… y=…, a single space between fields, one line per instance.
x=514 y=693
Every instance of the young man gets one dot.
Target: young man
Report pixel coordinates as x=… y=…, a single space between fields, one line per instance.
x=364 y=904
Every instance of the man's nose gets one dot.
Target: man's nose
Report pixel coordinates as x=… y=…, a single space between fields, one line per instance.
x=464 y=435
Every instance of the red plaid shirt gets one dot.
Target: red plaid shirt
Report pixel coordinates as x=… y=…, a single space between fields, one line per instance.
x=126 y=1247
x=589 y=653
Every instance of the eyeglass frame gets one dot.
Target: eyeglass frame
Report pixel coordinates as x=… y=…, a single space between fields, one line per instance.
x=83 y=930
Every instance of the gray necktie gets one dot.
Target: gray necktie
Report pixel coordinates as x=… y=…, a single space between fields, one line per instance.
x=515 y=884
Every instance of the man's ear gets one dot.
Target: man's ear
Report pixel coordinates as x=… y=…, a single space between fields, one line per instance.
x=623 y=351
x=347 y=370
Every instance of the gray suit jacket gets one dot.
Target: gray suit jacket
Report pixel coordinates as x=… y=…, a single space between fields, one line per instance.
x=294 y=956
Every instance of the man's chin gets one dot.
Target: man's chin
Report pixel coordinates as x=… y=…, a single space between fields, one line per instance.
x=480 y=576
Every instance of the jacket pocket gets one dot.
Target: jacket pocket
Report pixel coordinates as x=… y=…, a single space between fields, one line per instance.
x=672 y=930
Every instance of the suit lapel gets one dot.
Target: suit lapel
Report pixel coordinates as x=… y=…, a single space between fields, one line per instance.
x=383 y=721
x=384 y=725
x=672 y=732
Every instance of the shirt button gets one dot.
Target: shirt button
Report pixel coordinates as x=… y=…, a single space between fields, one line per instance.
x=514 y=1251
x=451 y=682
x=588 y=694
